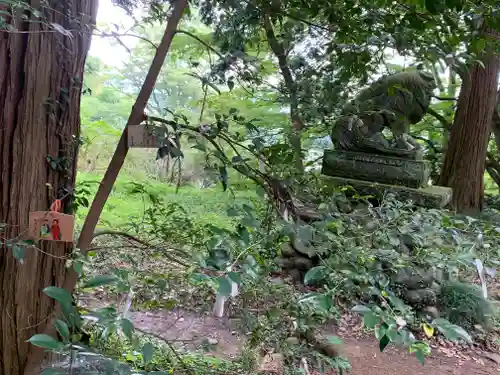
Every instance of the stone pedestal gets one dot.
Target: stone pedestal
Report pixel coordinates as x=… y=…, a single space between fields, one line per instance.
x=431 y=196
x=376 y=168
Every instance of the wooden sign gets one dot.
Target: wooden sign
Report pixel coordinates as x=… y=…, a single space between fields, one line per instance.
x=146 y=136
x=51 y=225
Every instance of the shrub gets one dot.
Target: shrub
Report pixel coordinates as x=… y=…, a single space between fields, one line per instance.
x=463 y=304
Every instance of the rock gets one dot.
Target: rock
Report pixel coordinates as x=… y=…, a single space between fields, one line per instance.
x=287 y=250
x=276 y=281
x=436 y=288
x=421 y=297
x=414 y=280
x=479 y=328
x=438 y=275
x=293 y=341
x=492 y=357
x=285 y=263
x=431 y=311
x=211 y=341
x=296 y=275
x=302 y=263
x=299 y=247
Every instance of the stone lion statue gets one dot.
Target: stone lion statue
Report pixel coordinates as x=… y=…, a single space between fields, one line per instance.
x=395 y=102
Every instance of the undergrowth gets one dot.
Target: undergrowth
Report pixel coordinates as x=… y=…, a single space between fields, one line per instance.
x=167 y=257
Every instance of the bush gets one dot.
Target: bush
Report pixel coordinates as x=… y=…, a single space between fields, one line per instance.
x=463 y=304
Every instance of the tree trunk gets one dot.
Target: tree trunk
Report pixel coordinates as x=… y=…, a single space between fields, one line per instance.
x=41 y=70
x=464 y=164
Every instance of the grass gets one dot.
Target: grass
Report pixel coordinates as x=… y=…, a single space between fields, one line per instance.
x=204 y=205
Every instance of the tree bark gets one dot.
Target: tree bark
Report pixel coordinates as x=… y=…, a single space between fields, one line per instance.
x=464 y=164
x=41 y=70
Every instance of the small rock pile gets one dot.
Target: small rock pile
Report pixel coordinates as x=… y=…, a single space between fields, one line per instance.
x=420 y=288
x=294 y=263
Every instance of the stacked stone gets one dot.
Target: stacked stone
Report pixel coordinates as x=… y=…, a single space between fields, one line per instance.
x=420 y=288
x=293 y=262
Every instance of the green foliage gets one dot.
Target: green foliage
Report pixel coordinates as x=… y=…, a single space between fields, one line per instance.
x=183 y=244
x=464 y=305
x=125 y=207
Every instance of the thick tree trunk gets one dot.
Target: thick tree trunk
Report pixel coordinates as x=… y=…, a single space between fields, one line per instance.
x=41 y=70
x=464 y=164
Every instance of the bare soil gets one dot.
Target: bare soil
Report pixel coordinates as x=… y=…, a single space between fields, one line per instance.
x=362 y=352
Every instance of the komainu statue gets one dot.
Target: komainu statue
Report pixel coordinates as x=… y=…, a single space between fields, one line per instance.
x=394 y=102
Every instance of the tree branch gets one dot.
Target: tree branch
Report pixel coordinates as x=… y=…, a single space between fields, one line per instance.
x=440 y=118
x=141 y=242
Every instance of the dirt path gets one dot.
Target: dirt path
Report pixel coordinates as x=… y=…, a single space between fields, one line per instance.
x=366 y=359
x=363 y=354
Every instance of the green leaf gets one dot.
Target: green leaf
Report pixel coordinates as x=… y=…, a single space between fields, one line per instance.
x=334 y=340
x=250 y=260
x=361 y=309
x=45 y=341
x=380 y=331
x=200 y=146
x=370 y=320
x=236 y=159
x=176 y=152
x=384 y=341
x=147 y=353
x=127 y=328
x=224 y=288
x=420 y=356
x=78 y=267
x=233 y=212
x=235 y=277
x=315 y=274
x=62 y=328
x=392 y=333
x=100 y=281
x=305 y=234
x=451 y=331
x=51 y=371
x=18 y=252
x=60 y=295
x=233 y=111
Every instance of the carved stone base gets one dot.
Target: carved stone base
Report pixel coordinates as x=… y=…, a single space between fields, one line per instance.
x=376 y=168
x=430 y=197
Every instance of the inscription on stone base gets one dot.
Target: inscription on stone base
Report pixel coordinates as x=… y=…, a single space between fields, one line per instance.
x=376 y=168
